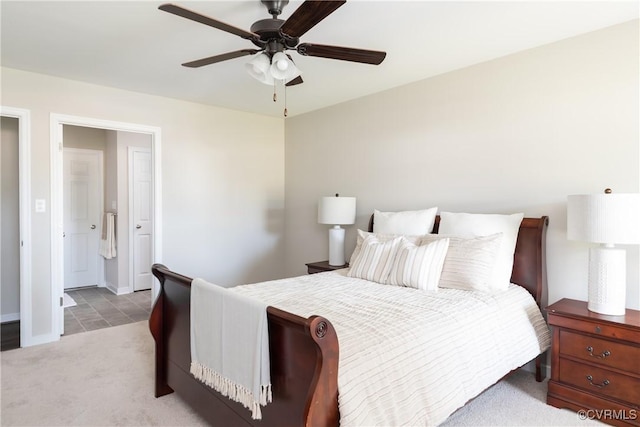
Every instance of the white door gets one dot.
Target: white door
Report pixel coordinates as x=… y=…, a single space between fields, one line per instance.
x=82 y=204
x=141 y=206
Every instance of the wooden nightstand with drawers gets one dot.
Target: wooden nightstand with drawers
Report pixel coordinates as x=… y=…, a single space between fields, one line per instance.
x=595 y=363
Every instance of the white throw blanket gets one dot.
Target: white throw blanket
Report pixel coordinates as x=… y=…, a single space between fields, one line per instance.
x=230 y=345
x=108 y=238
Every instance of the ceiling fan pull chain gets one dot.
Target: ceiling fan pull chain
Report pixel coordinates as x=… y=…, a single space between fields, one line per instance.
x=275 y=97
x=285 y=99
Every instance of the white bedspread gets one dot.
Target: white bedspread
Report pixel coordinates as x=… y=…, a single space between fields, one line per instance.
x=408 y=357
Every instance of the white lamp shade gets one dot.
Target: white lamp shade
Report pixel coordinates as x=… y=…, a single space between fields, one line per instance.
x=259 y=68
x=604 y=218
x=337 y=210
x=282 y=68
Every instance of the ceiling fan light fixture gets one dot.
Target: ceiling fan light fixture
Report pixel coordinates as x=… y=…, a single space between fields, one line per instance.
x=282 y=68
x=259 y=68
x=281 y=62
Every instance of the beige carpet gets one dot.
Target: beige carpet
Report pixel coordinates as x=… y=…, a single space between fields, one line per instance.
x=97 y=378
x=105 y=378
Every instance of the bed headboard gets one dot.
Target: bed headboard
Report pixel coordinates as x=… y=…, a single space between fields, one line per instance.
x=529 y=263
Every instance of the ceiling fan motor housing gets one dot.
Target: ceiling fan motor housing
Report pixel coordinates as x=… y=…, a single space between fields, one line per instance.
x=269 y=30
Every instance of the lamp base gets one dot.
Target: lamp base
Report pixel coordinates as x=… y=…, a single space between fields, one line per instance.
x=336 y=246
x=607 y=280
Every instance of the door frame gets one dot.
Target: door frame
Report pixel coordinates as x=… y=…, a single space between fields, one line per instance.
x=57 y=267
x=100 y=265
x=24 y=182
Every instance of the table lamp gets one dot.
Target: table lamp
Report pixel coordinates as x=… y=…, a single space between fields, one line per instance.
x=337 y=211
x=606 y=219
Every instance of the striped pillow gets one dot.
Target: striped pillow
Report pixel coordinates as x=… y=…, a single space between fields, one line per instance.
x=469 y=262
x=419 y=266
x=381 y=237
x=470 y=225
x=375 y=259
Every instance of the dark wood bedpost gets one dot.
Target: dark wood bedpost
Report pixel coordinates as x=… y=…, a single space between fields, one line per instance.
x=156 y=325
x=309 y=373
x=323 y=402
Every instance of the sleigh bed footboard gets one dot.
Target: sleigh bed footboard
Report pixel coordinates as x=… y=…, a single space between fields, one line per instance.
x=303 y=353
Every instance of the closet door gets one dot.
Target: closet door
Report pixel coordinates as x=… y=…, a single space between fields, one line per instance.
x=141 y=203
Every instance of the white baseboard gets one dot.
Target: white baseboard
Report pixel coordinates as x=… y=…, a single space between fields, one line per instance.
x=111 y=288
x=118 y=291
x=11 y=317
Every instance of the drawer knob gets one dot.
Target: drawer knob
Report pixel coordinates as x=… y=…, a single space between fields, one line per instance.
x=602 y=355
x=598 y=329
x=601 y=385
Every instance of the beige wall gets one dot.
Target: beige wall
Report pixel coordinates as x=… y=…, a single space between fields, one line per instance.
x=10 y=221
x=222 y=179
x=517 y=134
x=84 y=137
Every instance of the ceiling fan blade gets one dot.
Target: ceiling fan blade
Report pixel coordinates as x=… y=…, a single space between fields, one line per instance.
x=188 y=14
x=342 y=53
x=307 y=15
x=295 y=81
x=219 y=58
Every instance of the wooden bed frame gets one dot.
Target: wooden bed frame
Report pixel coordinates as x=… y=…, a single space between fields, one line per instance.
x=304 y=352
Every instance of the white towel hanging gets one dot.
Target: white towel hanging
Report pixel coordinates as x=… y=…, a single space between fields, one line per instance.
x=108 y=238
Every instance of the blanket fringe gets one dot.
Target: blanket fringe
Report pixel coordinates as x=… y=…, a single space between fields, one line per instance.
x=232 y=390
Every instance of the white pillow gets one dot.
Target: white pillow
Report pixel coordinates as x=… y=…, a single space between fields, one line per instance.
x=469 y=262
x=418 y=266
x=381 y=237
x=406 y=222
x=375 y=259
x=465 y=224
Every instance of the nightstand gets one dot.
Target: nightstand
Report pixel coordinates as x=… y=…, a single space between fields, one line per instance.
x=320 y=266
x=595 y=363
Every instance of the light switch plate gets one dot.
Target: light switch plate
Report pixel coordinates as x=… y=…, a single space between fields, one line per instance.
x=41 y=205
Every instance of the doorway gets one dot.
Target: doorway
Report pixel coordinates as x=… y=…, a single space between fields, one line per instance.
x=111 y=204
x=20 y=249
x=9 y=234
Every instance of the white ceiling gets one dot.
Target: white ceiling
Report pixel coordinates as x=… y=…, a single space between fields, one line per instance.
x=134 y=46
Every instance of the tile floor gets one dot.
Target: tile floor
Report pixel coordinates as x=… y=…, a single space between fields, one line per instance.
x=100 y=308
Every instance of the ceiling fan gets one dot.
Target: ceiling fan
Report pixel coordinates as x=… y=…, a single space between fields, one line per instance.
x=274 y=37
